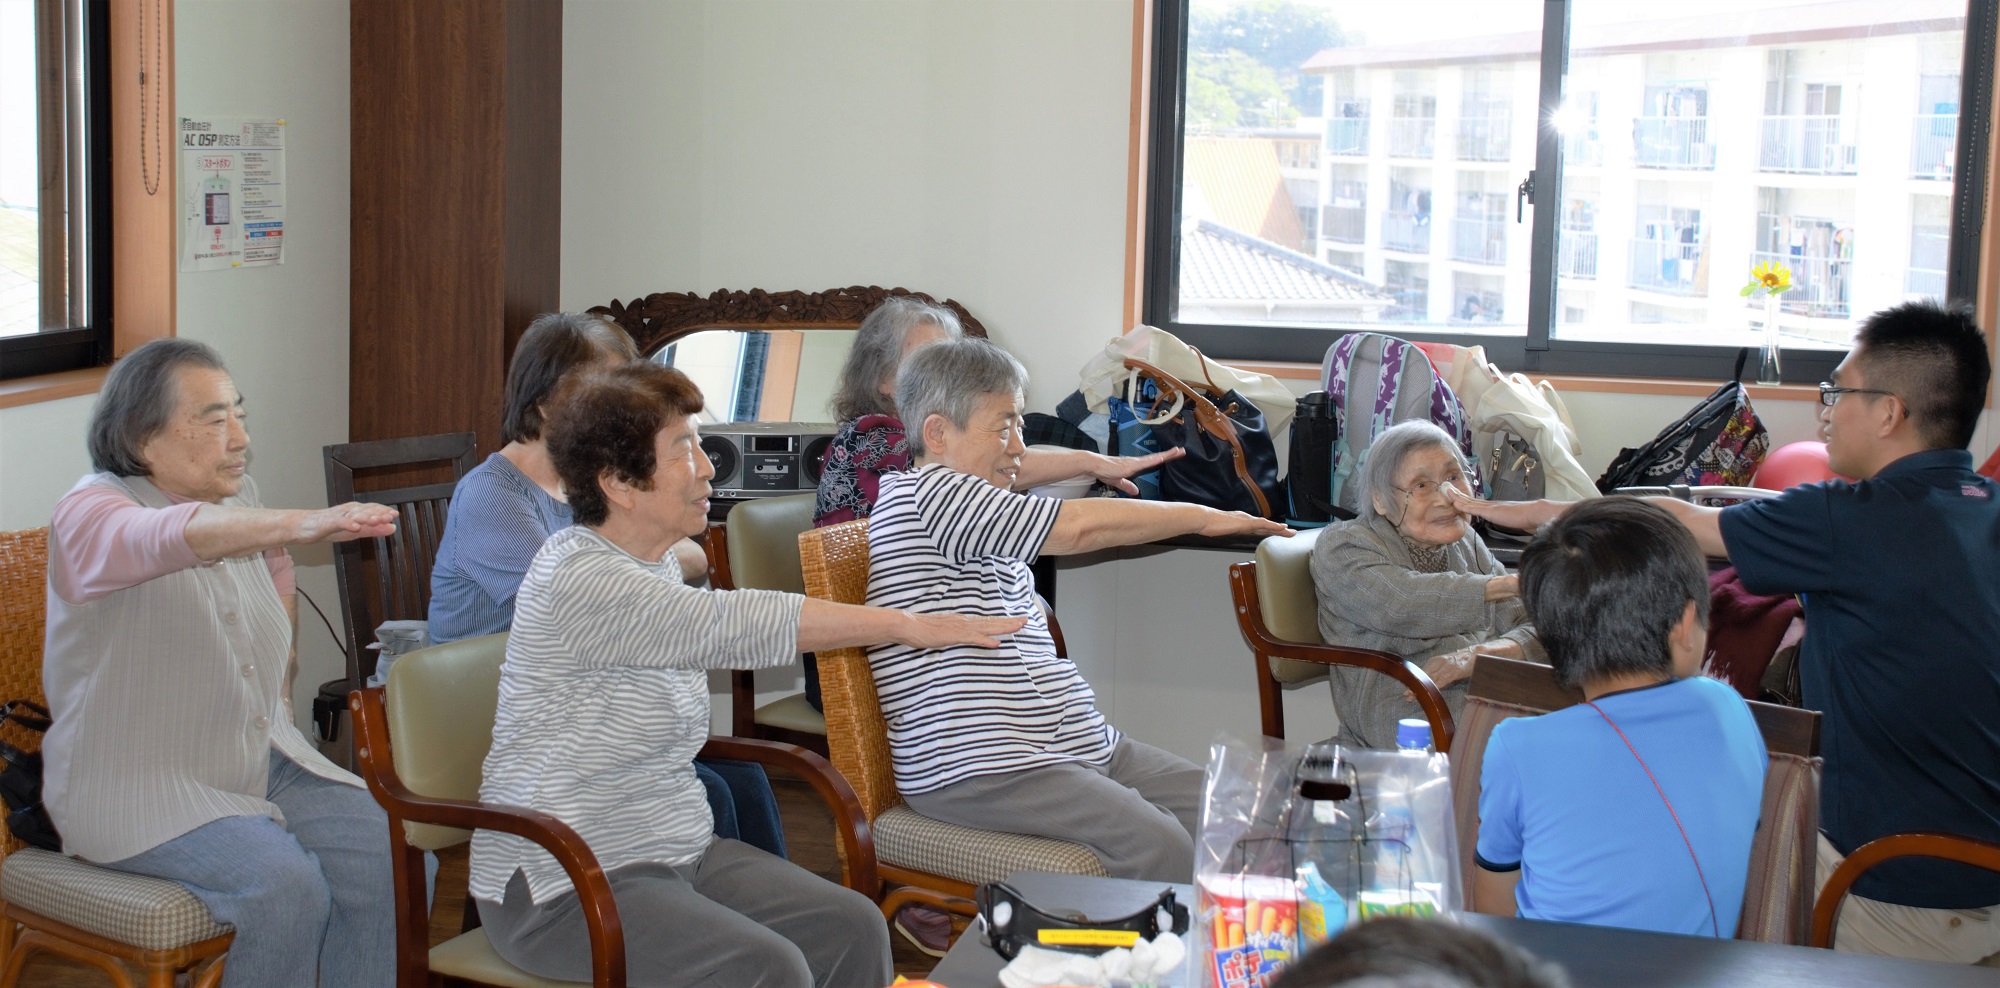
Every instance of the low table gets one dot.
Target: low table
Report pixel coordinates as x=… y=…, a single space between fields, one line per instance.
x=1596 y=957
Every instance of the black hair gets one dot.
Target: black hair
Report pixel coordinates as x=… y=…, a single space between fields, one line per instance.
x=137 y=399
x=1405 y=952
x=552 y=346
x=1605 y=584
x=1933 y=357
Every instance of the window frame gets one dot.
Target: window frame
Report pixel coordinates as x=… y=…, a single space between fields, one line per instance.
x=68 y=348
x=1539 y=350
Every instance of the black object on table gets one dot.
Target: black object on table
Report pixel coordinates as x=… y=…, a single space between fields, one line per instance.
x=1595 y=956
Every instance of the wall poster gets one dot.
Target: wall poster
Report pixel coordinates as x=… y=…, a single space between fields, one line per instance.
x=232 y=193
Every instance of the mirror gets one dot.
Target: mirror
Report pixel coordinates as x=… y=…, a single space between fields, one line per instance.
x=762 y=375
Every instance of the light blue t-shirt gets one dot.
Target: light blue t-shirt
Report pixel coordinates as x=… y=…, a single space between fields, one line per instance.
x=1563 y=799
x=498 y=520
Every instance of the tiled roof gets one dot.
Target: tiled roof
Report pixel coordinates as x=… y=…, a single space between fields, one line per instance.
x=1239 y=178
x=1219 y=264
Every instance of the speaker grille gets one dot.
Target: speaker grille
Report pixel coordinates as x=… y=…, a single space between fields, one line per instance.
x=726 y=460
x=814 y=458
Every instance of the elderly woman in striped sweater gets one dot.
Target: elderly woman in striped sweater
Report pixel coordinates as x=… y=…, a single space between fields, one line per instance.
x=604 y=702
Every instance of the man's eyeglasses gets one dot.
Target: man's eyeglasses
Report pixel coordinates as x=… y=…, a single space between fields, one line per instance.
x=1828 y=394
x=1425 y=488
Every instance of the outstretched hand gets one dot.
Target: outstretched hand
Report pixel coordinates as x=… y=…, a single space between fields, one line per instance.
x=945 y=630
x=1526 y=516
x=347 y=522
x=1224 y=523
x=1115 y=471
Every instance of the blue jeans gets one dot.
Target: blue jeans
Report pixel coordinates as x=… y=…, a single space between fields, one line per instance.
x=740 y=797
x=311 y=899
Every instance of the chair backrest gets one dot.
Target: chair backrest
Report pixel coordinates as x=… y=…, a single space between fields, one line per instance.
x=835 y=564
x=1918 y=844
x=441 y=702
x=1288 y=601
x=24 y=600
x=764 y=542
x=1777 y=899
x=388 y=579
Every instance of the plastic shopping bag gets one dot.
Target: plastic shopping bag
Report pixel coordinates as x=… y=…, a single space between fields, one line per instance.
x=1295 y=845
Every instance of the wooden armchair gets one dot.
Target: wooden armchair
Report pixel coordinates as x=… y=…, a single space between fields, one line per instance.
x=1278 y=612
x=1950 y=847
x=97 y=916
x=931 y=861
x=1777 y=898
x=421 y=745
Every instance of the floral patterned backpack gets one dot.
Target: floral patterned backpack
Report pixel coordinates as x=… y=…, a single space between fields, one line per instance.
x=1719 y=442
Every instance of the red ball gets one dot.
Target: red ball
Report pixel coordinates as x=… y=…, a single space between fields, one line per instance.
x=1794 y=464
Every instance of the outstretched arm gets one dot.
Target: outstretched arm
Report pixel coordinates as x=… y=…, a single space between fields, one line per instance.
x=1524 y=515
x=1704 y=522
x=1090 y=523
x=824 y=624
x=1047 y=466
x=220 y=531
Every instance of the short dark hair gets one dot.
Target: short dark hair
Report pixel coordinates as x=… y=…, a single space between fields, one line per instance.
x=1605 y=584
x=1407 y=952
x=1933 y=357
x=552 y=346
x=137 y=399
x=606 y=421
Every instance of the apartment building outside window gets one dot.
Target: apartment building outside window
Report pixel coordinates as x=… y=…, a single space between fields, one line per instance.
x=1683 y=143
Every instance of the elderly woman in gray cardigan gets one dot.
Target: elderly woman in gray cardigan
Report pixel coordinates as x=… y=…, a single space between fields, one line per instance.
x=1410 y=577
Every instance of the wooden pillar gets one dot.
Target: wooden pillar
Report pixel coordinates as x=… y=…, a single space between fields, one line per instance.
x=457 y=199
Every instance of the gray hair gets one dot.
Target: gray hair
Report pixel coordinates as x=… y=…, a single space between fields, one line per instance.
x=1387 y=453
x=137 y=399
x=949 y=378
x=878 y=349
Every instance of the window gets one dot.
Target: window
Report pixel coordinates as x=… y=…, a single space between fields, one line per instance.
x=55 y=218
x=1580 y=187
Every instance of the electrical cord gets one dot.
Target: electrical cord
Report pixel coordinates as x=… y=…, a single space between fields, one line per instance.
x=338 y=642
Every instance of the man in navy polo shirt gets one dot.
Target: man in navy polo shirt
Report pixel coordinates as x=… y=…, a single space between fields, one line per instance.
x=1899 y=574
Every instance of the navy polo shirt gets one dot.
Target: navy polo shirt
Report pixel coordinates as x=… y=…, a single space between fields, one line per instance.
x=1900 y=579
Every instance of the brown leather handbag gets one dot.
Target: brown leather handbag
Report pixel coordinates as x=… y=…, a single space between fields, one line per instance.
x=1231 y=462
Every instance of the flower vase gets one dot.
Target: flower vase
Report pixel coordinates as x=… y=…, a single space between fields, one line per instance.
x=1769 y=370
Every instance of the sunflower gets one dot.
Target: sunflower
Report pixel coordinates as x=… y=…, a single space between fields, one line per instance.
x=1768 y=278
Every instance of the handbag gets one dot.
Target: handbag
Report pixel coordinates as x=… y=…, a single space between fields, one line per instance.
x=1719 y=442
x=21 y=780
x=1230 y=463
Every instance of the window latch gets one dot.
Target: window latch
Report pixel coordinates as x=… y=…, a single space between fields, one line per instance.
x=1524 y=196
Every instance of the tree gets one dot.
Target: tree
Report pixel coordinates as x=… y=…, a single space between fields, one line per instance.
x=1280 y=35
x=1231 y=89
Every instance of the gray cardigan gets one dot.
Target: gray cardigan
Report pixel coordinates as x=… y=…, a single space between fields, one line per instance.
x=1371 y=596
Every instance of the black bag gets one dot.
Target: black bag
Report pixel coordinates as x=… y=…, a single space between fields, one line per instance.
x=1231 y=462
x=1719 y=442
x=21 y=780
x=1314 y=431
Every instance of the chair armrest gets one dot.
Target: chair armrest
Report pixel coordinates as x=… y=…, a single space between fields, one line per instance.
x=378 y=770
x=1919 y=844
x=1266 y=646
x=857 y=839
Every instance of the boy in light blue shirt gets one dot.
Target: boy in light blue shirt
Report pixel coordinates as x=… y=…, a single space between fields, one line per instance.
x=1637 y=807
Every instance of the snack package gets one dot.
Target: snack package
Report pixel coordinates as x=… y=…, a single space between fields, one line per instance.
x=1297 y=845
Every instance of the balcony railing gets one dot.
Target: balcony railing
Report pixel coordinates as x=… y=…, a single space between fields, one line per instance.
x=1665 y=266
x=1411 y=305
x=1347 y=136
x=1410 y=137
x=1407 y=232
x=1583 y=150
x=1343 y=224
x=1806 y=145
x=1923 y=283
x=1485 y=138
x=1820 y=284
x=1576 y=252
x=1933 y=145
x=1479 y=240
x=1672 y=142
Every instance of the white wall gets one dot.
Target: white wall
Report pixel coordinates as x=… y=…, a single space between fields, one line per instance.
x=282 y=329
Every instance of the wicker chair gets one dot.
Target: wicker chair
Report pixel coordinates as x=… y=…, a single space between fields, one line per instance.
x=107 y=919
x=931 y=861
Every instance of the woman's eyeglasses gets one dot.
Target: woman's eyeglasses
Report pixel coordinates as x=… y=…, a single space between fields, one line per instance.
x=1828 y=394
x=1425 y=488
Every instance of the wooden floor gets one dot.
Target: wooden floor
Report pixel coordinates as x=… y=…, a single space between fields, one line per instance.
x=808 y=838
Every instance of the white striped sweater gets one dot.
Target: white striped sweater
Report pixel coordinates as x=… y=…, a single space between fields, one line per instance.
x=604 y=703
x=940 y=541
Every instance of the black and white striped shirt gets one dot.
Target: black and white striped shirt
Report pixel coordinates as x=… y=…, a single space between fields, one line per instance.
x=604 y=703
x=940 y=541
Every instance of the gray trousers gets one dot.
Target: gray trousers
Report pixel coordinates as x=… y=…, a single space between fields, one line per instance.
x=1138 y=813
x=737 y=917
